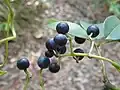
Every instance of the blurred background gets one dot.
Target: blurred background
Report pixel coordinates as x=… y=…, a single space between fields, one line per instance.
x=31 y=18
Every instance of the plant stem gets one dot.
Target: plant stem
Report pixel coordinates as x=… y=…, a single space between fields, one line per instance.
x=115 y=64
x=92 y=46
x=41 y=80
x=105 y=78
x=6 y=53
x=70 y=41
x=10 y=24
x=9 y=38
x=27 y=79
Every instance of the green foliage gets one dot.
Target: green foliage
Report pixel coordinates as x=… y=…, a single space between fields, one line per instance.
x=2 y=72
x=114 y=6
x=5 y=26
x=109 y=29
x=75 y=29
x=2 y=26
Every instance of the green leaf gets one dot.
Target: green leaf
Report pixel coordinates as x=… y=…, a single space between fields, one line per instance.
x=115 y=34
x=111 y=28
x=74 y=29
x=85 y=25
x=52 y=20
x=2 y=26
x=2 y=72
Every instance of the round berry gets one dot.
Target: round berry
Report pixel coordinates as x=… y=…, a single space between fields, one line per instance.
x=62 y=28
x=61 y=49
x=94 y=30
x=49 y=53
x=23 y=64
x=50 y=44
x=79 y=40
x=43 y=62
x=54 y=67
x=60 y=39
x=78 y=50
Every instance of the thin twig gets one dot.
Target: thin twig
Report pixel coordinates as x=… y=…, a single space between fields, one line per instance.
x=41 y=80
x=27 y=79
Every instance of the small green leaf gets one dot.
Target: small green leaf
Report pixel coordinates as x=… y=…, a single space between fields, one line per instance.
x=74 y=29
x=111 y=28
x=85 y=25
x=2 y=72
x=52 y=20
x=2 y=26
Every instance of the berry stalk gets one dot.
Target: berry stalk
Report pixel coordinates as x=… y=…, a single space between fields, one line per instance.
x=27 y=79
x=91 y=48
x=41 y=80
x=105 y=78
x=70 y=41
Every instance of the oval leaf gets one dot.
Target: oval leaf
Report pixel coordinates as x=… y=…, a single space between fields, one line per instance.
x=110 y=24
x=115 y=34
x=100 y=26
x=2 y=72
x=74 y=29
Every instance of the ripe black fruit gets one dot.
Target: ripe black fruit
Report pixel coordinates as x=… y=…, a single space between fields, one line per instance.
x=23 y=64
x=50 y=44
x=94 y=30
x=43 y=62
x=54 y=67
x=60 y=39
x=62 y=28
x=49 y=53
x=78 y=50
x=79 y=40
x=61 y=49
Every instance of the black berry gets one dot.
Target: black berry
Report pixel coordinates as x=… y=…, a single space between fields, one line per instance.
x=50 y=44
x=54 y=67
x=49 y=53
x=94 y=30
x=61 y=49
x=23 y=64
x=43 y=62
x=78 y=50
x=79 y=40
x=62 y=28
x=60 y=39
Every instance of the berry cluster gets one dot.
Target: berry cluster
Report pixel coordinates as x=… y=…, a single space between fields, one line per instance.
x=56 y=46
